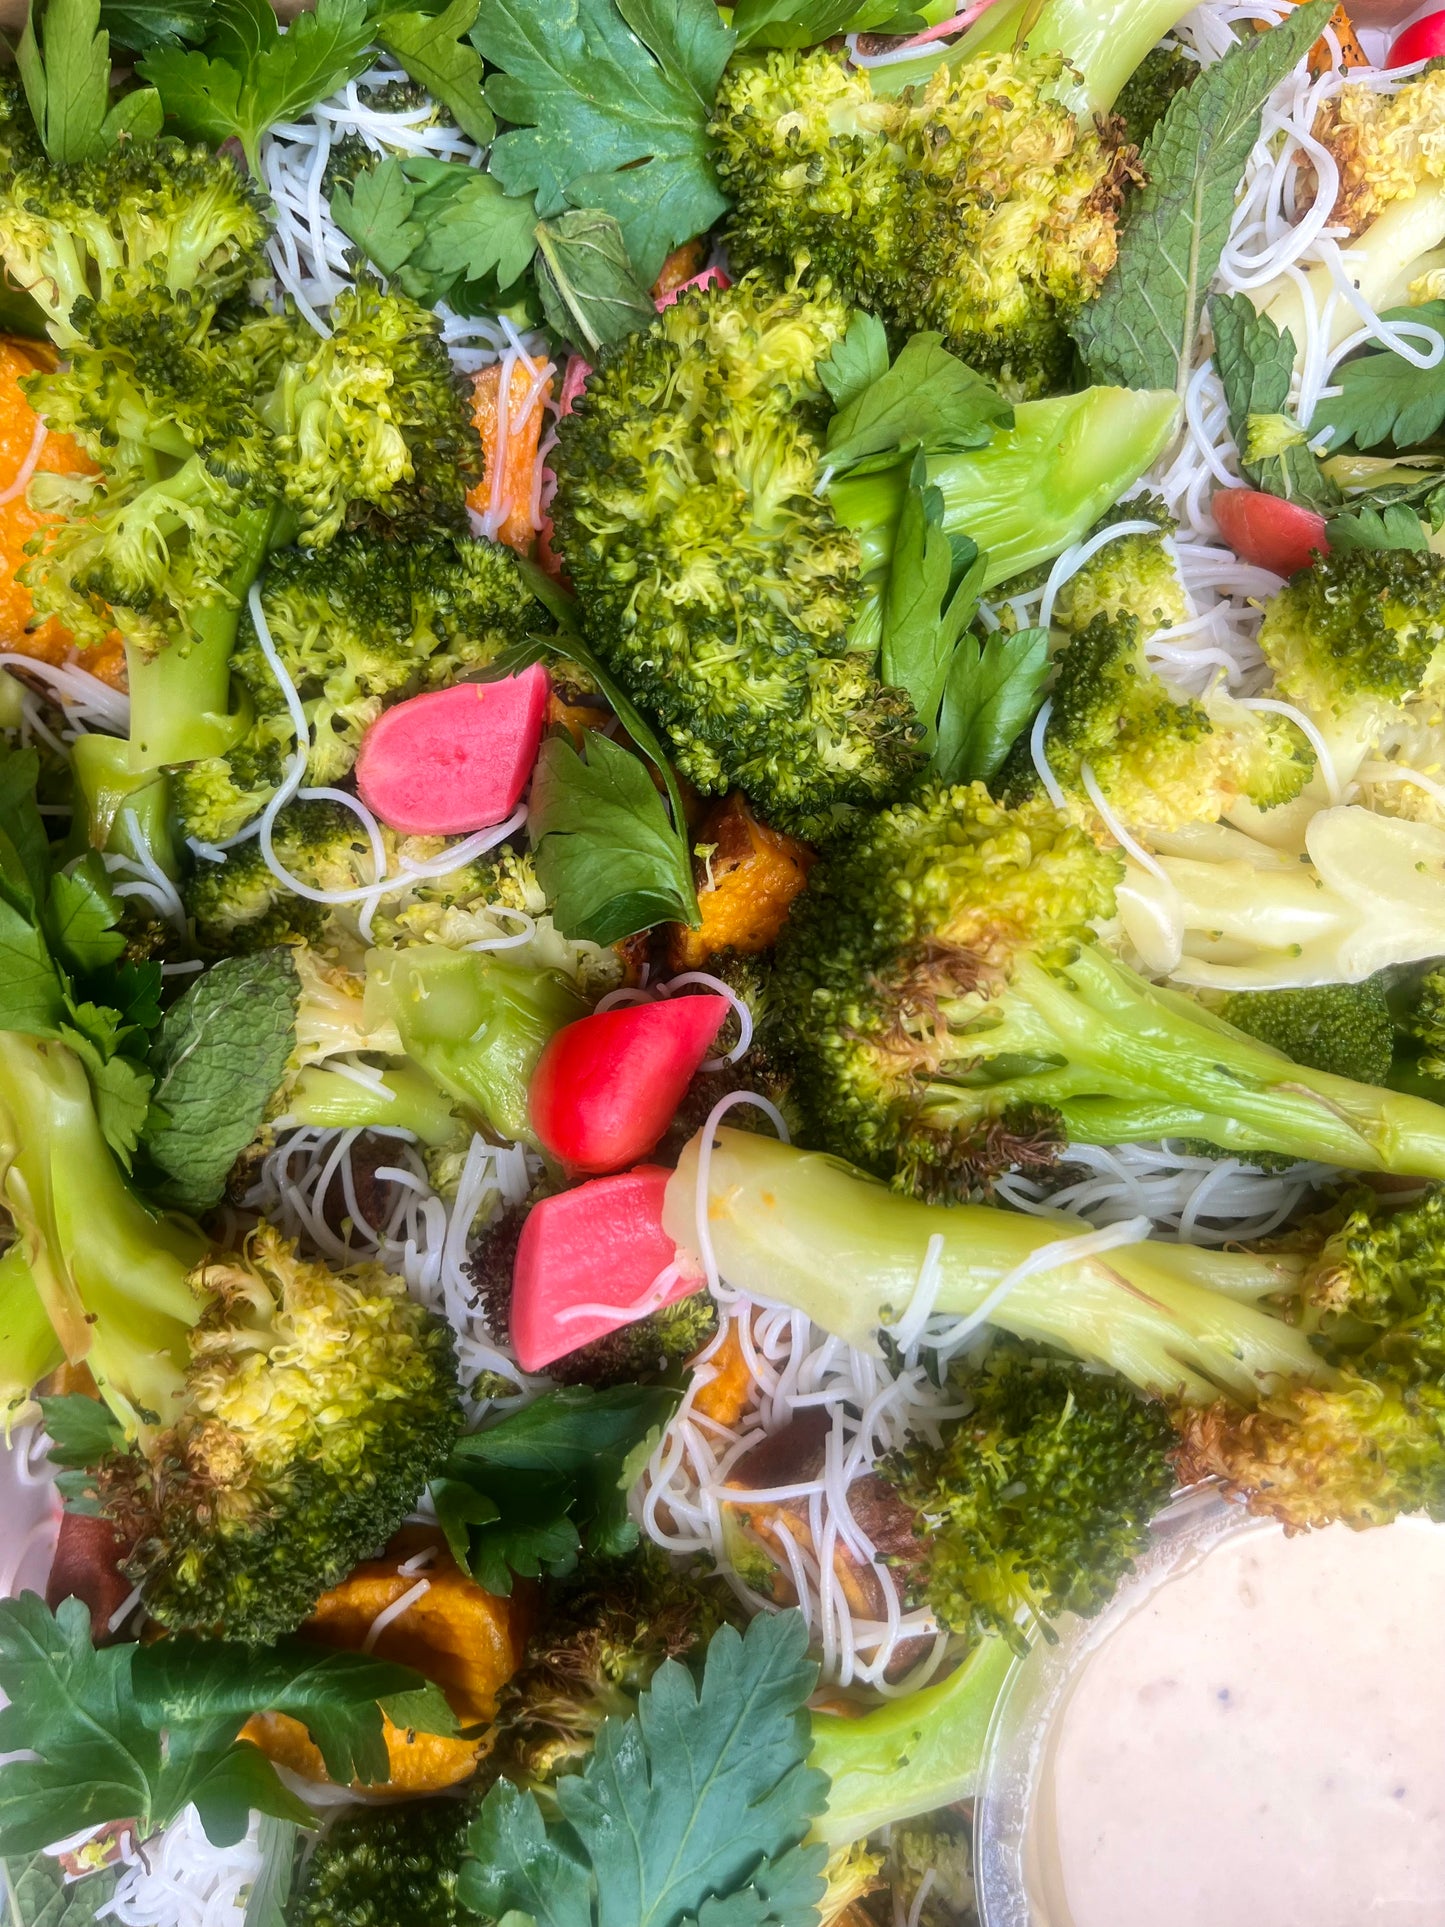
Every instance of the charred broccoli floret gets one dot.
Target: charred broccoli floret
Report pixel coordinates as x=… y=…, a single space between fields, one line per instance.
x=1346 y=1029
x=1039 y=1500
x=387 y=1866
x=948 y=1011
x=660 y=1341
x=1143 y=101
x=357 y=625
x=316 y=1406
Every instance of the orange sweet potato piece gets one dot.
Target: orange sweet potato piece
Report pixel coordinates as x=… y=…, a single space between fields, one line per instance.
x=744 y=889
x=680 y=267
x=1352 y=54
x=465 y=1639
x=724 y=1398
x=519 y=457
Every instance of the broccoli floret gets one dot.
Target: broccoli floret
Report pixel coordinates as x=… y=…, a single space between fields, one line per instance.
x=731 y=585
x=1143 y=101
x=1308 y=1377
x=316 y=1407
x=1354 y=637
x=358 y=625
x=241 y=904
x=1037 y=1502
x=1345 y=1029
x=939 y=1845
x=650 y=1345
x=975 y=204
x=387 y=1866
x=947 y=1009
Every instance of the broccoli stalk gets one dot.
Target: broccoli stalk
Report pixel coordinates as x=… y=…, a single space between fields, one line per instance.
x=29 y=1349
x=120 y=808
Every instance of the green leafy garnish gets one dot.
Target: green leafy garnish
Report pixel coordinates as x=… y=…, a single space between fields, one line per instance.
x=806 y=23
x=1396 y=526
x=82 y=1430
x=857 y=361
x=141 y=1732
x=695 y=1809
x=39 y=1894
x=219 y=1054
x=139 y=25
x=993 y=689
x=589 y=291
x=928 y=399
x=1255 y=360
x=1141 y=330
x=1383 y=397
x=249 y=74
x=930 y=598
x=527 y=1494
x=608 y=103
x=271 y=1889
x=64 y=60
x=436 y=228
x=431 y=48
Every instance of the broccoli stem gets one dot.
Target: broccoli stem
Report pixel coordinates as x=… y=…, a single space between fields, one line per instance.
x=112 y=1276
x=125 y=810
x=804 y=1229
x=180 y=696
x=1034 y=489
x=1105 y=40
x=914 y=1754
x=29 y=1348
x=331 y=1103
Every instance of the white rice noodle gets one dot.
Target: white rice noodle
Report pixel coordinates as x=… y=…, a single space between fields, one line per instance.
x=178 y=1879
x=28 y=465
x=91 y=703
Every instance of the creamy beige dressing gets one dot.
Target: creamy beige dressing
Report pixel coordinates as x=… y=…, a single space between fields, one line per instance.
x=1262 y=1740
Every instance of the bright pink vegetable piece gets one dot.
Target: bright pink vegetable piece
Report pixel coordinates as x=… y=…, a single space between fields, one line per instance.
x=592 y=1260
x=709 y=278
x=455 y=760
x=1424 y=41
x=606 y=1088
x=1268 y=531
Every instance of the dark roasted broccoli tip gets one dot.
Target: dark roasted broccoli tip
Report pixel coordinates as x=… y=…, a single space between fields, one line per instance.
x=1164 y=72
x=945 y=1009
x=715 y=579
x=386 y=1866
x=1038 y=1501
x=1362 y=628
x=1370 y=1444
x=317 y=1405
x=357 y=625
x=996 y=253
x=643 y=1349
x=1345 y=1029
x=601 y=1640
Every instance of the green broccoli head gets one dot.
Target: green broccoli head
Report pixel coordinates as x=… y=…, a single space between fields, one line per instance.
x=317 y=1406
x=975 y=204
x=1165 y=71
x=1160 y=759
x=1343 y=1028
x=940 y=1846
x=1132 y=575
x=357 y=625
x=1358 y=633
x=714 y=576
x=144 y=211
x=1037 y=1502
x=387 y=1866
x=242 y=905
x=1421 y=1023
x=369 y=422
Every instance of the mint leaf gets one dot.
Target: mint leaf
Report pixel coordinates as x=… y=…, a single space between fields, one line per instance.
x=589 y=292
x=857 y=361
x=1140 y=332
x=430 y=48
x=928 y=399
x=41 y=1896
x=139 y=25
x=992 y=692
x=608 y=103
x=608 y=858
x=219 y=1055
x=701 y=1799
x=64 y=62
x=1383 y=397
x=82 y=1431
x=249 y=74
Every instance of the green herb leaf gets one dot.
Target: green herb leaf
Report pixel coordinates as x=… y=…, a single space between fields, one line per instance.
x=928 y=399
x=271 y=1889
x=608 y=858
x=694 y=1808
x=139 y=25
x=82 y=1430
x=917 y=645
x=1140 y=332
x=1394 y=527
x=589 y=292
x=64 y=62
x=993 y=690
x=608 y=103
x=250 y=75
x=220 y=1054
x=25 y=853
x=807 y=23
x=430 y=48
x=376 y=213
x=31 y=999
x=434 y=226
x=1255 y=360
x=82 y=915
x=857 y=361
x=121 y=1089
x=39 y=1895
x=1383 y=397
